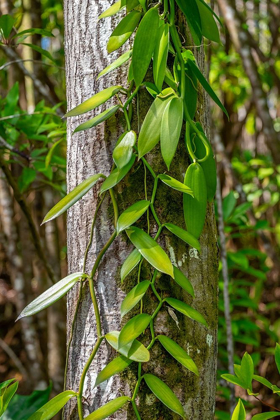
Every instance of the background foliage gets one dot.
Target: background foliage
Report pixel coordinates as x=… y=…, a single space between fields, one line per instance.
x=32 y=142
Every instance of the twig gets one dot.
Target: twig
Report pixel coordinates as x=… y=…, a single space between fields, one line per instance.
x=34 y=234
x=29 y=59
x=13 y=149
x=230 y=347
x=37 y=83
x=268 y=405
x=14 y=358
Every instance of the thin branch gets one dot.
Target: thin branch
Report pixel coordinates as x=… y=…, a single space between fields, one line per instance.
x=230 y=345
x=29 y=59
x=34 y=234
x=43 y=90
x=13 y=149
x=7 y=349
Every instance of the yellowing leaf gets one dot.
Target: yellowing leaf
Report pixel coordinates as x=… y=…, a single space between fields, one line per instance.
x=94 y=101
x=150 y=250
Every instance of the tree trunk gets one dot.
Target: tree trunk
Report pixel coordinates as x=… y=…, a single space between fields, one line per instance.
x=90 y=152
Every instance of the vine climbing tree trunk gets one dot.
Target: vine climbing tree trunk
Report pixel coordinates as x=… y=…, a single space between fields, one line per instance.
x=90 y=152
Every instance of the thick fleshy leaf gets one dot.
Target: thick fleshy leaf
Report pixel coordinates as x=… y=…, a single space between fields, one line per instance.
x=132 y=214
x=171 y=128
x=116 y=64
x=178 y=353
x=134 y=351
x=150 y=131
x=117 y=365
x=130 y=263
x=209 y=27
x=71 y=198
x=150 y=250
x=184 y=235
x=160 y=55
x=182 y=280
x=239 y=412
x=93 y=102
x=124 y=149
x=117 y=175
x=133 y=328
x=144 y=45
x=164 y=394
x=134 y=296
x=191 y=12
x=131 y=4
x=100 y=118
x=51 y=295
x=266 y=416
x=111 y=11
x=175 y=184
x=108 y=409
x=206 y=85
x=123 y=31
x=186 y=310
x=49 y=410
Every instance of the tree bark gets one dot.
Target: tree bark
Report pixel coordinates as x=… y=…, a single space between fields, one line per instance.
x=90 y=152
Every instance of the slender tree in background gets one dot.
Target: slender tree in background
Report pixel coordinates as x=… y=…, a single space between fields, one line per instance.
x=89 y=153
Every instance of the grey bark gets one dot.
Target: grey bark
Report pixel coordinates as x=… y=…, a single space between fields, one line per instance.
x=90 y=152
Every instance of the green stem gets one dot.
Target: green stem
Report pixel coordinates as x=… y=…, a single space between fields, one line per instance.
x=83 y=376
x=135 y=410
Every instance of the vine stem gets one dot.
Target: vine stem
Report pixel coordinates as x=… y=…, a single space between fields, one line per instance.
x=83 y=376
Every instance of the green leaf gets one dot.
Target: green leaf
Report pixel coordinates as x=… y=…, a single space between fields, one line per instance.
x=71 y=198
x=111 y=11
x=131 y=4
x=208 y=24
x=187 y=310
x=239 y=412
x=32 y=31
x=23 y=406
x=150 y=131
x=171 y=128
x=93 y=102
x=213 y=13
x=6 y=383
x=100 y=118
x=266 y=416
x=51 y=152
x=133 y=328
x=247 y=370
x=277 y=356
x=160 y=55
x=164 y=394
x=7 y=395
x=229 y=202
x=132 y=214
x=144 y=44
x=116 y=176
x=263 y=381
x=130 y=263
x=234 y=380
x=49 y=410
x=51 y=295
x=117 y=365
x=124 y=149
x=134 y=351
x=123 y=31
x=150 y=250
x=40 y=50
x=108 y=409
x=175 y=184
x=191 y=12
x=134 y=296
x=6 y=25
x=178 y=353
x=116 y=64
x=183 y=282
x=206 y=85
x=184 y=235
x=191 y=92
